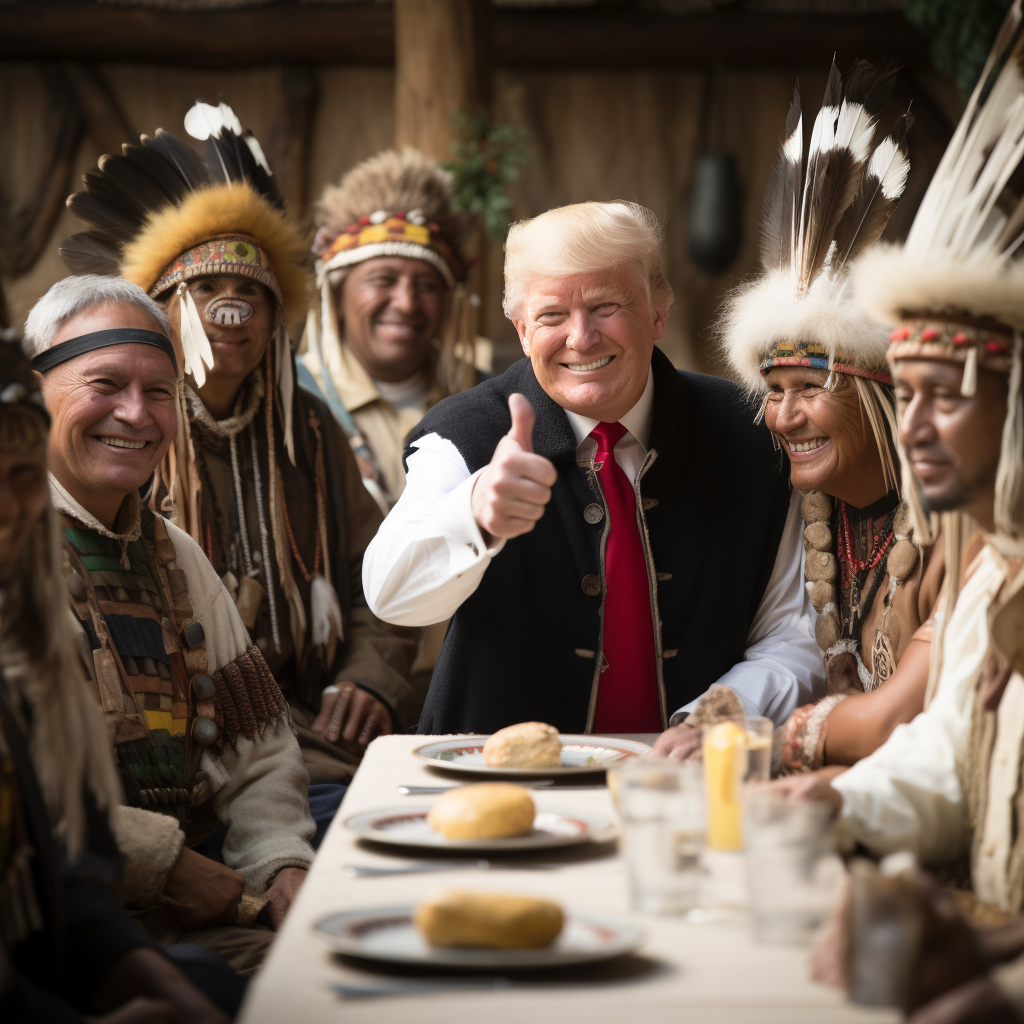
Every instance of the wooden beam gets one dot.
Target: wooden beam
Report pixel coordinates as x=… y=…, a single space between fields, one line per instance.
x=439 y=70
x=292 y=32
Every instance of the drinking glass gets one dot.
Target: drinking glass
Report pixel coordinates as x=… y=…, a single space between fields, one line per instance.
x=661 y=804
x=793 y=874
x=760 y=732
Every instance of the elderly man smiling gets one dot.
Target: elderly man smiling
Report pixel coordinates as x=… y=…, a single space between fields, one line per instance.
x=200 y=728
x=610 y=534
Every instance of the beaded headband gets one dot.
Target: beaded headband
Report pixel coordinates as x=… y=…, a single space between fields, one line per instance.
x=229 y=254
x=953 y=342
x=397 y=234
x=814 y=355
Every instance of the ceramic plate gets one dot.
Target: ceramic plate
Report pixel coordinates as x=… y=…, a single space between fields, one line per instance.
x=387 y=933
x=579 y=754
x=407 y=826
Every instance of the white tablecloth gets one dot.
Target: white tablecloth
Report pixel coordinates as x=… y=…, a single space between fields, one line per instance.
x=690 y=973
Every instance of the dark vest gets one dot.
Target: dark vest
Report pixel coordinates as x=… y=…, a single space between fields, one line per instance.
x=526 y=645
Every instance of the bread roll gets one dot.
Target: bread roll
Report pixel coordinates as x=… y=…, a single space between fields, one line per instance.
x=452 y=917
x=487 y=810
x=526 y=745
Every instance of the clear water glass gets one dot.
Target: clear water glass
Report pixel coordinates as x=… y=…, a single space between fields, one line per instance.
x=760 y=732
x=793 y=873
x=661 y=804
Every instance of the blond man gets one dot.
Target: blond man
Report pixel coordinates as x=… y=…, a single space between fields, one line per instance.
x=611 y=535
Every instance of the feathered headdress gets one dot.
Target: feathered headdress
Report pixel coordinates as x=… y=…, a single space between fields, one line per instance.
x=161 y=215
x=799 y=310
x=393 y=204
x=961 y=266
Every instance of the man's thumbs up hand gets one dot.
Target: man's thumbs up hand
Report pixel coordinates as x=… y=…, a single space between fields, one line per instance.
x=510 y=494
x=522 y=421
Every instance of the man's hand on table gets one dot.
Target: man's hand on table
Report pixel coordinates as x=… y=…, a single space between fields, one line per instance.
x=510 y=495
x=284 y=888
x=352 y=714
x=679 y=743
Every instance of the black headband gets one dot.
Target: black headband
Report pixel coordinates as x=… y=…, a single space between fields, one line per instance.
x=57 y=354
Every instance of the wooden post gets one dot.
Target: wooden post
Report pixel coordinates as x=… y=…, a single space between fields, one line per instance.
x=441 y=67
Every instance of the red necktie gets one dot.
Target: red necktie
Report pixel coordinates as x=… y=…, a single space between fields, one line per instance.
x=627 y=695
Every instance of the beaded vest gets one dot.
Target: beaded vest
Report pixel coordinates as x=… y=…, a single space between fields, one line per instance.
x=149 y=665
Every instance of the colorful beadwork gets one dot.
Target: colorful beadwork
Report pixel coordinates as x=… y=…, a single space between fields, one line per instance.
x=952 y=341
x=815 y=356
x=394 y=228
x=235 y=254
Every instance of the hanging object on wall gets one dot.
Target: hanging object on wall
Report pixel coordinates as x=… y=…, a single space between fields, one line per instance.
x=714 y=223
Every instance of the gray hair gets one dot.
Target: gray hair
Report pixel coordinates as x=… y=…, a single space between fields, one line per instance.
x=75 y=295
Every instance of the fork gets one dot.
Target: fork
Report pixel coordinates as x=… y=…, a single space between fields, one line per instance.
x=428 y=790
x=410 y=988
x=374 y=871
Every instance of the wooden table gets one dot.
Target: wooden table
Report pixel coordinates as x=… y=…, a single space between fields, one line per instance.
x=691 y=973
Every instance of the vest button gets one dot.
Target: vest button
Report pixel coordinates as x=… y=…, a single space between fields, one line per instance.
x=591 y=585
x=593 y=513
x=203 y=688
x=204 y=731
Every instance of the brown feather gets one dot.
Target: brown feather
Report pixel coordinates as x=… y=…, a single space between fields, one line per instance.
x=782 y=198
x=863 y=223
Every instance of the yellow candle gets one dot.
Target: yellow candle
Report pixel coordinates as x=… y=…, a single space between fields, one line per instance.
x=725 y=762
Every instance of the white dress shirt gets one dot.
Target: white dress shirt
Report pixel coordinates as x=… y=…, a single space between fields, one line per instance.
x=429 y=556
x=907 y=795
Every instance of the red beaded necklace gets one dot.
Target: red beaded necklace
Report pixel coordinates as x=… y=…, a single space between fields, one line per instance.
x=855 y=570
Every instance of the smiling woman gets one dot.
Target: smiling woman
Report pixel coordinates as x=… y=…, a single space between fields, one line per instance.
x=817 y=365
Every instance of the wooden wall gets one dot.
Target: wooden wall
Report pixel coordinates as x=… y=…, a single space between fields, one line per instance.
x=626 y=134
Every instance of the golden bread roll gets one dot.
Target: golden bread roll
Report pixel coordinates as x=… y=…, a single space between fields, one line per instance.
x=526 y=745
x=487 y=810
x=452 y=917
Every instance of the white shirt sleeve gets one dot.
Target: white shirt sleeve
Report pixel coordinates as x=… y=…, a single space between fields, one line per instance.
x=782 y=667
x=907 y=795
x=429 y=554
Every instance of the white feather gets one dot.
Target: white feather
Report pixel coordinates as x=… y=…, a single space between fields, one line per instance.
x=257 y=151
x=195 y=345
x=891 y=167
x=325 y=613
x=202 y=121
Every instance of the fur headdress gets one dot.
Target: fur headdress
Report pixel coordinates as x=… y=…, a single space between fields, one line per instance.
x=799 y=310
x=162 y=216
x=393 y=204
x=960 y=267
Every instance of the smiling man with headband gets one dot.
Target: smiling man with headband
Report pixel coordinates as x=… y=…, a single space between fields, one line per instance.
x=260 y=474
x=201 y=731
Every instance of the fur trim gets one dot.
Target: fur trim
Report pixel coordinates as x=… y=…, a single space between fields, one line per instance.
x=889 y=282
x=759 y=315
x=391 y=181
x=149 y=843
x=209 y=213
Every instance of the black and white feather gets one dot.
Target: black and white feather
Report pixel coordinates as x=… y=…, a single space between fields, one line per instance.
x=158 y=172
x=817 y=218
x=964 y=250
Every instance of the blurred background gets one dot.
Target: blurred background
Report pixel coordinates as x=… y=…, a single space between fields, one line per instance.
x=676 y=104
